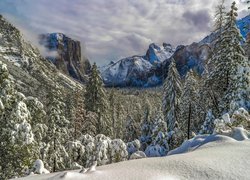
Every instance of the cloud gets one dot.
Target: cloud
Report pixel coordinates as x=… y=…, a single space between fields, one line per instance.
x=111 y=29
x=199 y=19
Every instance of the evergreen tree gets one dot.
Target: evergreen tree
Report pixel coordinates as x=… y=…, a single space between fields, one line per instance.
x=208 y=125
x=146 y=127
x=58 y=134
x=17 y=139
x=160 y=138
x=189 y=117
x=171 y=96
x=131 y=129
x=237 y=93
x=79 y=115
x=112 y=106
x=96 y=101
x=229 y=80
x=213 y=90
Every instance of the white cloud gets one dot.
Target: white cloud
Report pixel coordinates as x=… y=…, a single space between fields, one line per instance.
x=110 y=29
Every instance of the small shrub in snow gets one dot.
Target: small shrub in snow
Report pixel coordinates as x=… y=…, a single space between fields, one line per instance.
x=118 y=151
x=226 y=124
x=208 y=125
x=102 y=144
x=133 y=146
x=76 y=151
x=155 y=151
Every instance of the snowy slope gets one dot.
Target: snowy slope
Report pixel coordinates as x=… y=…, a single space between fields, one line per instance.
x=204 y=157
x=128 y=71
x=27 y=67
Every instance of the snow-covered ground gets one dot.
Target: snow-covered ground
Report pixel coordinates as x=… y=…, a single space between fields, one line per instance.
x=204 y=157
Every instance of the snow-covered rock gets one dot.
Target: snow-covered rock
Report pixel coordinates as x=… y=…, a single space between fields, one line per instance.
x=137 y=155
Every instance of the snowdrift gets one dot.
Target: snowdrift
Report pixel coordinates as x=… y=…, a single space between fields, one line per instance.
x=203 y=157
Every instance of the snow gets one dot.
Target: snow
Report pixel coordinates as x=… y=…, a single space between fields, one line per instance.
x=203 y=157
x=39 y=167
x=138 y=155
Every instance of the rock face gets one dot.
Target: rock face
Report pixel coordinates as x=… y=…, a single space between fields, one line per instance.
x=153 y=66
x=67 y=55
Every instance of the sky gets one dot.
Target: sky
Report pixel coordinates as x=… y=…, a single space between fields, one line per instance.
x=113 y=29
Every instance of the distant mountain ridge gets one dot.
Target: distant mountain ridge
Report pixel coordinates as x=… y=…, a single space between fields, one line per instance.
x=136 y=70
x=151 y=69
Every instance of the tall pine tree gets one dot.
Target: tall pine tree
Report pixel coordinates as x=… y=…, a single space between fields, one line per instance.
x=96 y=101
x=172 y=90
x=189 y=119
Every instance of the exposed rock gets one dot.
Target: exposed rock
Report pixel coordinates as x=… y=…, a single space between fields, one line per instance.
x=68 y=58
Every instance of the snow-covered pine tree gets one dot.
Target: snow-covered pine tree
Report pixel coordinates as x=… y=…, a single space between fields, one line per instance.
x=58 y=134
x=220 y=14
x=189 y=118
x=131 y=129
x=120 y=120
x=229 y=81
x=101 y=150
x=237 y=92
x=146 y=127
x=38 y=123
x=112 y=106
x=118 y=151
x=79 y=115
x=172 y=90
x=212 y=90
x=17 y=140
x=160 y=137
x=96 y=101
x=89 y=146
x=208 y=125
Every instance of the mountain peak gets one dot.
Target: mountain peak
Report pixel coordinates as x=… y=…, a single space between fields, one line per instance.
x=67 y=54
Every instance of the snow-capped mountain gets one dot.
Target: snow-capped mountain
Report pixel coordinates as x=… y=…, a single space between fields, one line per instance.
x=67 y=55
x=30 y=71
x=154 y=65
x=137 y=70
x=157 y=54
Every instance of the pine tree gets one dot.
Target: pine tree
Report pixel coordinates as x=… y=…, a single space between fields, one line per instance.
x=160 y=138
x=146 y=127
x=38 y=123
x=96 y=101
x=189 y=118
x=208 y=125
x=229 y=80
x=17 y=139
x=220 y=18
x=237 y=93
x=131 y=129
x=171 y=95
x=213 y=90
x=79 y=115
x=58 y=134
x=112 y=106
